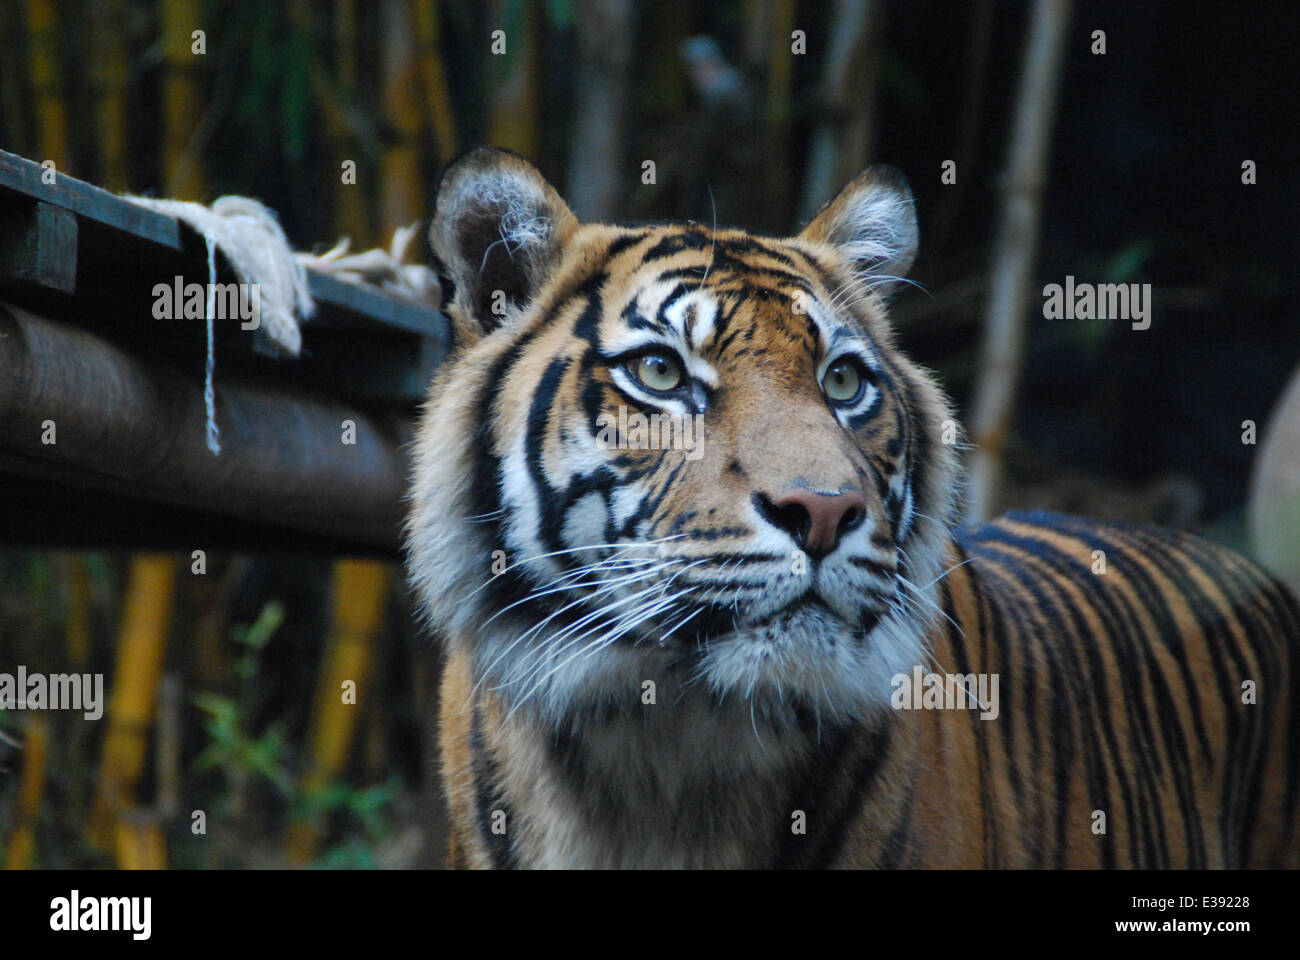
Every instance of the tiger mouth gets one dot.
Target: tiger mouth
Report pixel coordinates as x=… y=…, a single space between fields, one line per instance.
x=808 y=611
x=811 y=607
x=810 y=603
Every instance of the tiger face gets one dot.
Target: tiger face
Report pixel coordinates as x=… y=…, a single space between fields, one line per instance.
x=677 y=453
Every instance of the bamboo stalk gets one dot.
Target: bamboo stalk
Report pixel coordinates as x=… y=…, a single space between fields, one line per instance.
x=208 y=667
x=360 y=590
x=597 y=161
x=401 y=192
x=514 y=97
x=433 y=77
x=168 y=753
x=139 y=842
x=46 y=71
x=109 y=70
x=351 y=218
x=776 y=132
x=76 y=621
x=182 y=169
x=141 y=644
x=841 y=144
x=1015 y=251
x=21 y=853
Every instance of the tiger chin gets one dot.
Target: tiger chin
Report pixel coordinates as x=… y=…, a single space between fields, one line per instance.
x=684 y=517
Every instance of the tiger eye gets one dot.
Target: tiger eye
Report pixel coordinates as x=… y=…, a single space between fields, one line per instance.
x=659 y=371
x=842 y=381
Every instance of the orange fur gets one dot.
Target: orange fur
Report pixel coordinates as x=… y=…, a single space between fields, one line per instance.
x=565 y=574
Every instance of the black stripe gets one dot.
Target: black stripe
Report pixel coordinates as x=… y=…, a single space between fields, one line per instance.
x=1072 y=682
x=625 y=242
x=489 y=797
x=1241 y=595
x=830 y=793
x=1157 y=606
x=991 y=845
x=1068 y=574
x=873 y=566
x=550 y=507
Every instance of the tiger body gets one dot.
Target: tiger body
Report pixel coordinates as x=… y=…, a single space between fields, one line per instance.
x=698 y=656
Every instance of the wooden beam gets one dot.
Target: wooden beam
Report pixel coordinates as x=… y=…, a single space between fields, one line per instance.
x=75 y=253
x=356 y=301
x=29 y=178
x=44 y=506
x=40 y=246
x=121 y=425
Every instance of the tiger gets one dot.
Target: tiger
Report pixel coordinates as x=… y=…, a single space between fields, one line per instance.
x=769 y=641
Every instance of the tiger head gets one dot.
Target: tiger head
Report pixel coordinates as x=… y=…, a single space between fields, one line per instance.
x=677 y=452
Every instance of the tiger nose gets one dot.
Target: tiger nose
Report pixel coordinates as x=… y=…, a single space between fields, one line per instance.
x=816 y=521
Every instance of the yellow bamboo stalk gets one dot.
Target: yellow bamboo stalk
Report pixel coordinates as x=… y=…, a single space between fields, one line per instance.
x=433 y=76
x=21 y=853
x=140 y=843
x=514 y=101
x=401 y=193
x=207 y=647
x=109 y=70
x=351 y=217
x=141 y=645
x=182 y=170
x=360 y=591
x=780 y=60
x=46 y=71
x=76 y=618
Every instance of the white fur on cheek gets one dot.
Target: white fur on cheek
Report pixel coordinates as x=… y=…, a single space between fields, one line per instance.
x=447 y=557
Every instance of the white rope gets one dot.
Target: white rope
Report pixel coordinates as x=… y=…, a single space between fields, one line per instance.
x=209 y=394
x=250 y=239
x=386 y=269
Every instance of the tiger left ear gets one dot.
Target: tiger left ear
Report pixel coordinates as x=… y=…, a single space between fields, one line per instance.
x=498 y=231
x=872 y=223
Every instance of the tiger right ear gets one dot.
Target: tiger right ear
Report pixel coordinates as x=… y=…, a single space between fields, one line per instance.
x=872 y=223
x=498 y=231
